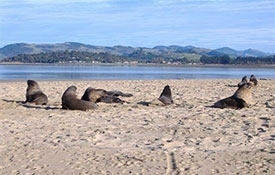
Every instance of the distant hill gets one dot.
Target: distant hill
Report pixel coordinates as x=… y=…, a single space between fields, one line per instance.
x=235 y=53
x=179 y=52
x=23 y=48
x=180 y=49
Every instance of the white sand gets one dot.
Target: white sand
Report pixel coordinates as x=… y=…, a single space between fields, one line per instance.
x=187 y=137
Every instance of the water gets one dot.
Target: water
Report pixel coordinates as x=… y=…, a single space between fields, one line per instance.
x=113 y=72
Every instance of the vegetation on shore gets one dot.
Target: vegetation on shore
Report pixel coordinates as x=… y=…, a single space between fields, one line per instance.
x=135 y=57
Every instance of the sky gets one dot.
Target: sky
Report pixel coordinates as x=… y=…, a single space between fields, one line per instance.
x=212 y=24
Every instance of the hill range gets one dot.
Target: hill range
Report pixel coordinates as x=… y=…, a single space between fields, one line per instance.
x=179 y=51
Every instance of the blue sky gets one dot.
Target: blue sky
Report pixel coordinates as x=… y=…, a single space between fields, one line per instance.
x=239 y=24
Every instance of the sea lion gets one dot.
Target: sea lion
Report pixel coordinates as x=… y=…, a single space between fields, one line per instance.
x=93 y=95
x=253 y=79
x=34 y=94
x=101 y=95
x=165 y=98
x=70 y=101
x=240 y=99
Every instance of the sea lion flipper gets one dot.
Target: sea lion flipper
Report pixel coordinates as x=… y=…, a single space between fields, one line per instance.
x=166 y=96
x=243 y=81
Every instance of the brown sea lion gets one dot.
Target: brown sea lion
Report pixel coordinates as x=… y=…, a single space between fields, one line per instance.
x=240 y=99
x=165 y=98
x=34 y=94
x=70 y=101
x=101 y=95
x=253 y=79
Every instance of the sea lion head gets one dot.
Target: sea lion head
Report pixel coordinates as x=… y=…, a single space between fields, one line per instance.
x=32 y=86
x=253 y=80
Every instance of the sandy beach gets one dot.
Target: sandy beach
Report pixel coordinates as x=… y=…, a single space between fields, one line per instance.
x=187 y=137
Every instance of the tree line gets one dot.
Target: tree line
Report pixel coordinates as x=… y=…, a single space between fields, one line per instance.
x=65 y=57
x=91 y=57
x=138 y=56
x=225 y=59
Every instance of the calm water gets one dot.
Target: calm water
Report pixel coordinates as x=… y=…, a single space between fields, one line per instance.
x=102 y=72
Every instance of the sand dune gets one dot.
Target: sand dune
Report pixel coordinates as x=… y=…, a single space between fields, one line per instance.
x=188 y=137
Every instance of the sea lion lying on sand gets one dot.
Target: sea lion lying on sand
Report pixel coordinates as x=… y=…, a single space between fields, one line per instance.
x=70 y=101
x=101 y=95
x=165 y=98
x=34 y=94
x=240 y=99
x=93 y=95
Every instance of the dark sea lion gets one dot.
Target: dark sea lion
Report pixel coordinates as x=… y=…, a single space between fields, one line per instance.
x=34 y=94
x=166 y=96
x=101 y=95
x=70 y=101
x=231 y=102
x=253 y=79
x=240 y=99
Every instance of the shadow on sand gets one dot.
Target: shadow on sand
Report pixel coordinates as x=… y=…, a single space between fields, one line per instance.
x=29 y=105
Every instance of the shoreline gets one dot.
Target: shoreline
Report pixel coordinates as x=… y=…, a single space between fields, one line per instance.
x=118 y=80
x=149 y=65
